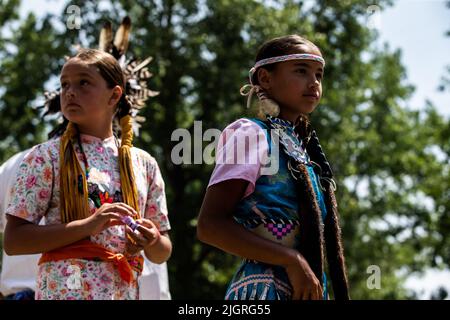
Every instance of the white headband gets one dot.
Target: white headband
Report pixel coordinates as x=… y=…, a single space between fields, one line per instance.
x=297 y=56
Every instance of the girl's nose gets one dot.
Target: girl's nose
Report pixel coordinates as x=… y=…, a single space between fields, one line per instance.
x=70 y=94
x=314 y=83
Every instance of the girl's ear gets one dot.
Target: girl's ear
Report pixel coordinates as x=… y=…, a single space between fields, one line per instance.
x=264 y=78
x=116 y=95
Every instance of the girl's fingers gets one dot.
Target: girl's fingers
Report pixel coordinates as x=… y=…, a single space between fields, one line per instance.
x=300 y=292
x=315 y=294
x=112 y=219
x=133 y=249
x=127 y=207
x=149 y=234
x=310 y=294
x=114 y=223
x=137 y=239
x=148 y=229
x=114 y=216
x=116 y=207
x=147 y=223
x=131 y=237
x=302 y=295
x=124 y=211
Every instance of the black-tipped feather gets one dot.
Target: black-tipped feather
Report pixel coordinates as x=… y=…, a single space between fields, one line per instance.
x=136 y=74
x=106 y=37
x=121 y=38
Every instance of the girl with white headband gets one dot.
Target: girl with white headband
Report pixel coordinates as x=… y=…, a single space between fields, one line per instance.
x=281 y=222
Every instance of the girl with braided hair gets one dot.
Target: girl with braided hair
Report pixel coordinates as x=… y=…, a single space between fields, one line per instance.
x=280 y=222
x=88 y=184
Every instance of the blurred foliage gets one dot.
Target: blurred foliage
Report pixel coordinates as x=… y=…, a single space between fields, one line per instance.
x=391 y=162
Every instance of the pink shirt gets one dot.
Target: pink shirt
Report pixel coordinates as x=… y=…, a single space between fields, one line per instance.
x=241 y=150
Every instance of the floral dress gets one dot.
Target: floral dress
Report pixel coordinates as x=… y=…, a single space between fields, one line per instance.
x=36 y=195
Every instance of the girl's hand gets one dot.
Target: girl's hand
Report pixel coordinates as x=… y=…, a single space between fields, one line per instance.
x=109 y=214
x=146 y=236
x=305 y=284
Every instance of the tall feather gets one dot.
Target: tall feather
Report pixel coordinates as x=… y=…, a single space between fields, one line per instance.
x=122 y=35
x=106 y=36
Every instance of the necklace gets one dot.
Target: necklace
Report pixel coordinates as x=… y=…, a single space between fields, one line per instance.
x=84 y=158
x=86 y=165
x=292 y=145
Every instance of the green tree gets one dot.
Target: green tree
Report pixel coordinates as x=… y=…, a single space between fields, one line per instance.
x=29 y=55
x=391 y=163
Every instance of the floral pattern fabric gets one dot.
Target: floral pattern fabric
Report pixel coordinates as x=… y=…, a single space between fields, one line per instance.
x=36 y=194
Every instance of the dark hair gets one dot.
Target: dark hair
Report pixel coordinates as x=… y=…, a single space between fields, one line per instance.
x=313 y=238
x=281 y=46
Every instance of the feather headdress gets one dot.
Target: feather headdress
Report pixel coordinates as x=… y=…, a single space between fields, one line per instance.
x=135 y=70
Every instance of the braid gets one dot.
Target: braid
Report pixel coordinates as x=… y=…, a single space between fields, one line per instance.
x=332 y=230
x=311 y=233
x=74 y=193
x=73 y=204
x=303 y=128
x=315 y=151
x=334 y=247
x=129 y=189
x=124 y=106
x=59 y=130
